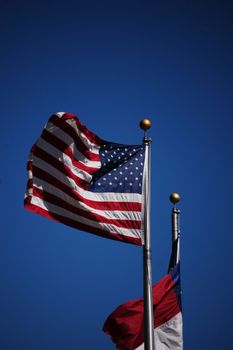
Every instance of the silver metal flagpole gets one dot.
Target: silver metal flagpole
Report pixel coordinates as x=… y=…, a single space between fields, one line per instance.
x=145 y=124
x=175 y=198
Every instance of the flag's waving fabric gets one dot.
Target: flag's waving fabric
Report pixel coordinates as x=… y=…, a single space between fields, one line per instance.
x=125 y=324
x=80 y=180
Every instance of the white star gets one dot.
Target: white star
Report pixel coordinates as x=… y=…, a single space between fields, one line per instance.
x=121 y=172
x=136 y=158
x=131 y=184
x=126 y=149
x=141 y=155
x=115 y=178
x=104 y=178
x=136 y=178
x=136 y=168
x=126 y=168
x=102 y=154
x=126 y=178
x=110 y=183
x=99 y=184
x=109 y=174
x=131 y=173
x=120 y=183
x=141 y=163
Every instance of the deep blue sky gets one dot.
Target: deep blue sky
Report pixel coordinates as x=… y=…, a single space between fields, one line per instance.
x=113 y=63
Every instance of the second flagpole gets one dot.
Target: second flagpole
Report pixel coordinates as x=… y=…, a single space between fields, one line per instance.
x=147 y=259
x=175 y=198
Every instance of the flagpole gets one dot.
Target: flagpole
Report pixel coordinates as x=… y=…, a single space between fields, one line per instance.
x=145 y=124
x=175 y=198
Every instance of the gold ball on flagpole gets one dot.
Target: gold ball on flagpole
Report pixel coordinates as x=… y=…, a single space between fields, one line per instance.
x=174 y=197
x=145 y=124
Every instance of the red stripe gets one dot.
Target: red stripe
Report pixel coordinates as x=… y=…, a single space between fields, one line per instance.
x=77 y=140
x=80 y=226
x=38 y=152
x=64 y=148
x=124 y=206
x=50 y=198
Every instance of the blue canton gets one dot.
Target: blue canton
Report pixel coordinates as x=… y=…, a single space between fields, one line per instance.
x=121 y=169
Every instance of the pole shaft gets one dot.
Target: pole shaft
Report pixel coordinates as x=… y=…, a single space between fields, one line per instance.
x=176 y=230
x=147 y=259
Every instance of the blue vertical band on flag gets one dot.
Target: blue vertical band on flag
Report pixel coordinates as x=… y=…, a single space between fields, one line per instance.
x=174 y=270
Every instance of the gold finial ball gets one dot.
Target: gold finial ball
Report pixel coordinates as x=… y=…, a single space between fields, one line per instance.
x=145 y=124
x=174 y=198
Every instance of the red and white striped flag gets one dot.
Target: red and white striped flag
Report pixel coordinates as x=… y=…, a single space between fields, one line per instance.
x=80 y=180
x=125 y=325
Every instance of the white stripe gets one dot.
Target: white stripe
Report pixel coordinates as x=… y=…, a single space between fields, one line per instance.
x=54 y=209
x=30 y=175
x=115 y=214
x=64 y=159
x=99 y=197
x=69 y=141
x=60 y=114
x=168 y=336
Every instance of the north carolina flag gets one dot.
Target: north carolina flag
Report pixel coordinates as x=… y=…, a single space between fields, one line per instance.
x=125 y=324
x=80 y=180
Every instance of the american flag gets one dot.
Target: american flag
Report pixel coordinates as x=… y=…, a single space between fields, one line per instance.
x=80 y=180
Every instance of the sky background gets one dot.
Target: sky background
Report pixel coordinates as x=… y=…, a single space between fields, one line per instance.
x=113 y=63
